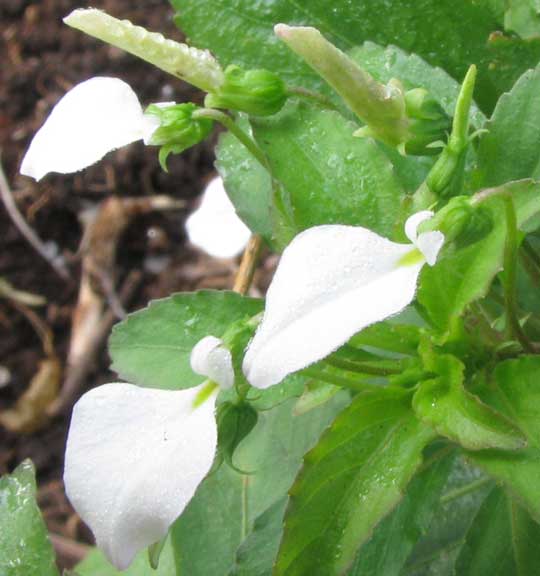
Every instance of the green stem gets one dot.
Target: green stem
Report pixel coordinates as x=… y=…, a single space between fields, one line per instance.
x=449 y=162
x=341 y=381
x=387 y=369
x=466 y=489
x=510 y=275
x=311 y=95
x=231 y=125
x=255 y=151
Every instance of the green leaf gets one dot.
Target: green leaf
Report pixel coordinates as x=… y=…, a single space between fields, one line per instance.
x=248 y=184
x=436 y=552
x=152 y=347
x=502 y=541
x=330 y=176
x=256 y=555
x=513 y=389
x=464 y=274
x=95 y=564
x=393 y=539
x=510 y=150
x=523 y=18
x=25 y=549
x=221 y=515
x=448 y=33
x=454 y=412
x=353 y=477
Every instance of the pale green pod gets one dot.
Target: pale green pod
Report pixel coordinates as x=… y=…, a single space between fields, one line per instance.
x=381 y=107
x=198 y=67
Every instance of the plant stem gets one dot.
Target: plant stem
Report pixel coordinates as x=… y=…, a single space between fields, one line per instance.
x=510 y=271
x=363 y=368
x=311 y=95
x=231 y=125
x=248 y=265
x=466 y=489
x=341 y=381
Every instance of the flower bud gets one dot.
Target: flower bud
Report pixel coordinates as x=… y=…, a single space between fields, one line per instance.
x=257 y=92
x=428 y=123
x=460 y=220
x=177 y=129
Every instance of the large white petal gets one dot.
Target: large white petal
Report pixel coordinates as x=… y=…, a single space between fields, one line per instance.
x=215 y=227
x=134 y=459
x=331 y=282
x=210 y=358
x=93 y=118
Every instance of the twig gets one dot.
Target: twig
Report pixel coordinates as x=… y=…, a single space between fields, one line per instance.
x=76 y=372
x=69 y=549
x=33 y=239
x=248 y=265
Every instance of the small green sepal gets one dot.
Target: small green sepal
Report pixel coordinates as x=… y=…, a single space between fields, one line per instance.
x=256 y=92
x=428 y=124
x=178 y=130
x=234 y=422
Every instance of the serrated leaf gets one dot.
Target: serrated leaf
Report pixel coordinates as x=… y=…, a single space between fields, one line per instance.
x=454 y=412
x=502 y=541
x=24 y=546
x=394 y=538
x=152 y=347
x=447 y=33
x=95 y=564
x=335 y=178
x=510 y=149
x=436 y=552
x=463 y=275
x=514 y=391
x=221 y=515
x=256 y=555
x=353 y=477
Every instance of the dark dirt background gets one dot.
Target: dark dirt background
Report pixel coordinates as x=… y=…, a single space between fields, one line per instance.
x=41 y=60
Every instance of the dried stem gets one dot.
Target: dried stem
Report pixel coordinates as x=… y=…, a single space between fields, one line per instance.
x=248 y=265
x=33 y=239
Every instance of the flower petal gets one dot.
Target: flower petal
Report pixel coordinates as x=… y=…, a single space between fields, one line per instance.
x=215 y=226
x=210 y=358
x=93 y=118
x=332 y=281
x=430 y=244
x=134 y=459
x=412 y=223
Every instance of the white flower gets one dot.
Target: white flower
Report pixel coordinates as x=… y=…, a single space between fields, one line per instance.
x=210 y=358
x=92 y=119
x=215 y=226
x=333 y=281
x=135 y=456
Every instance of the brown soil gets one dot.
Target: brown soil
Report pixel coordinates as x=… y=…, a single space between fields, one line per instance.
x=41 y=59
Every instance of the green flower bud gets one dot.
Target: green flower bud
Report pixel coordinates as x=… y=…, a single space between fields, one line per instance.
x=257 y=92
x=428 y=123
x=460 y=221
x=178 y=130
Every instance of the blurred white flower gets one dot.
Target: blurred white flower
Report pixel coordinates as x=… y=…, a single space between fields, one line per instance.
x=215 y=227
x=333 y=281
